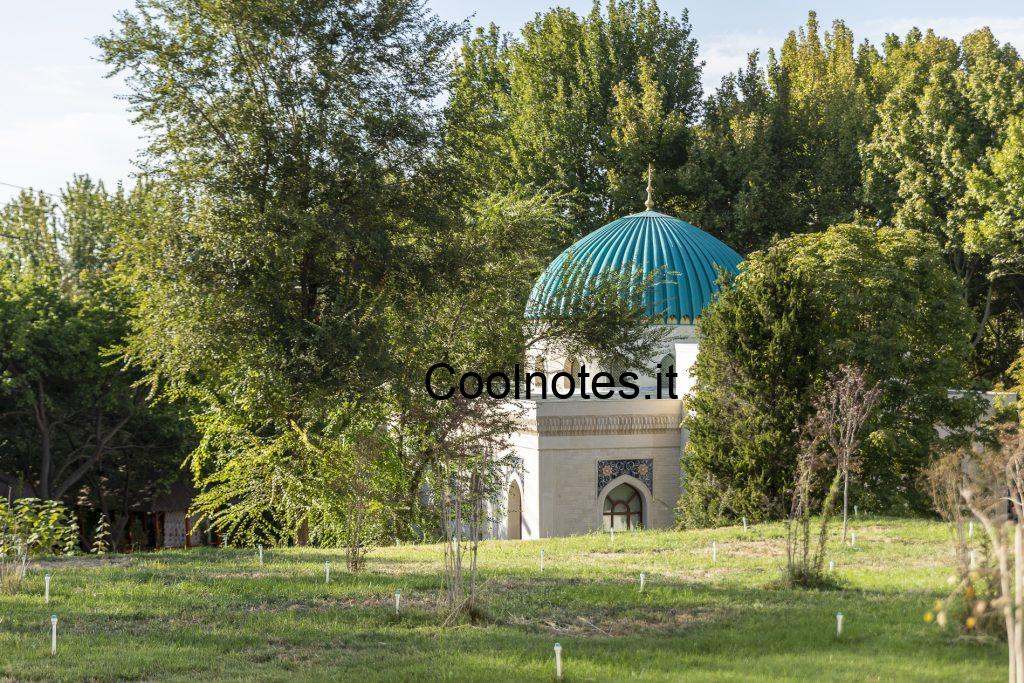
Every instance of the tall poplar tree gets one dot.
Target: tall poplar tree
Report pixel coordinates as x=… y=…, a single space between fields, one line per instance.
x=777 y=150
x=943 y=117
x=578 y=105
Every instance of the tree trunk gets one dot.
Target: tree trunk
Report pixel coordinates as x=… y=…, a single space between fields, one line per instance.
x=846 y=501
x=45 y=447
x=984 y=317
x=1018 y=571
x=1000 y=546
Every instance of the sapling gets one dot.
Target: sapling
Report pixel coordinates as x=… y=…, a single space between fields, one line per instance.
x=829 y=444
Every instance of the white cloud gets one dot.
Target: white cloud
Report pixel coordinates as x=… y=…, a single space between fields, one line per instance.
x=1005 y=29
x=64 y=120
x=44 y=153
x=726 y=52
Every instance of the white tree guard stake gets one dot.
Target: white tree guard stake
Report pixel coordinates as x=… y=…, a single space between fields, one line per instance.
x=714 y=551
x=398 y=600
x=542 y=560
x=970 y=530
x=327 y=571
x=831 y=565
x=53 y=634
x=612 y=535
x=856 y=513
x=839 y=624
x=260 y=546
x=642 y=581
x=46 y=593
x=744 y=523
x=558 y=661
x=853 y=538
x=24 y=559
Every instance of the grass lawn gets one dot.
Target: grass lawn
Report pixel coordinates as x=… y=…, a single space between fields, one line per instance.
x=211 y=613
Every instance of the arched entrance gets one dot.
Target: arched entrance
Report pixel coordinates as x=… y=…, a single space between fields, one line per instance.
x=623 y=508
x=515 y=512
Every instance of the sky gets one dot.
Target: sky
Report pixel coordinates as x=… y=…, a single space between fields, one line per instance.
x=59 y=115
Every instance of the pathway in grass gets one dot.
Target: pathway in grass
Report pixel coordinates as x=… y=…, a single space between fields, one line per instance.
x=214 y=613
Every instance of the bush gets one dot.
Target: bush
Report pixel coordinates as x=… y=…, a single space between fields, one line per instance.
x=32 y=526
x=883 y=300
x=40 y=527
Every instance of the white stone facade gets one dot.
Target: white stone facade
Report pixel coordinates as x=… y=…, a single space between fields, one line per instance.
x=575 y=451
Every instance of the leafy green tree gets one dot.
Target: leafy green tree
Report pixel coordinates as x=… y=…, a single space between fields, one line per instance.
x=777 y=150
x=998 y=188
x=295 y=144
x=308 y=252
x=945 y=112
x=75 y=426
x=880 y=299
x=577 y=105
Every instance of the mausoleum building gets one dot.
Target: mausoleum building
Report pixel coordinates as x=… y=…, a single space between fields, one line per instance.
x=589 y=464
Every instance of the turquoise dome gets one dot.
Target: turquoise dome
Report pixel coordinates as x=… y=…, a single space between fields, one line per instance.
x=685 y=255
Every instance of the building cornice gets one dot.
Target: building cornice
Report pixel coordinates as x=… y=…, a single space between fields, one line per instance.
x=583 y=425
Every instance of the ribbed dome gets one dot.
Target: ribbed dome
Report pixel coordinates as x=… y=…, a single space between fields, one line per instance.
x=644 y=242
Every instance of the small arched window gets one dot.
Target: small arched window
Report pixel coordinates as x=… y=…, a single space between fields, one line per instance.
x=668 y=364
x=623 y=508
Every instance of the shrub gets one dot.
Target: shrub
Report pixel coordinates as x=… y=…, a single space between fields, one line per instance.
x=40 y=527
x=881 y=299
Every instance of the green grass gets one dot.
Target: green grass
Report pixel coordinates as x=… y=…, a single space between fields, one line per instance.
x=210 y=613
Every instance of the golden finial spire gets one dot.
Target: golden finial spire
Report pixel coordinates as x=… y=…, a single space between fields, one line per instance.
x=650 y=188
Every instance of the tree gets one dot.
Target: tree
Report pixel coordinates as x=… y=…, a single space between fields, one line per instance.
x=839 y=418
x=299 y=194
x=829 y=444
x=754 y=369
x=988 y=482
x=577 y=105
x=777 y=150
x=945 y=111
x=73 y=420
x=998 y=233
x=880 y=299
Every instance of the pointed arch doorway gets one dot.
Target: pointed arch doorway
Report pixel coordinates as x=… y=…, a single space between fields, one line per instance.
x=515 y=512
x=623 y=509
